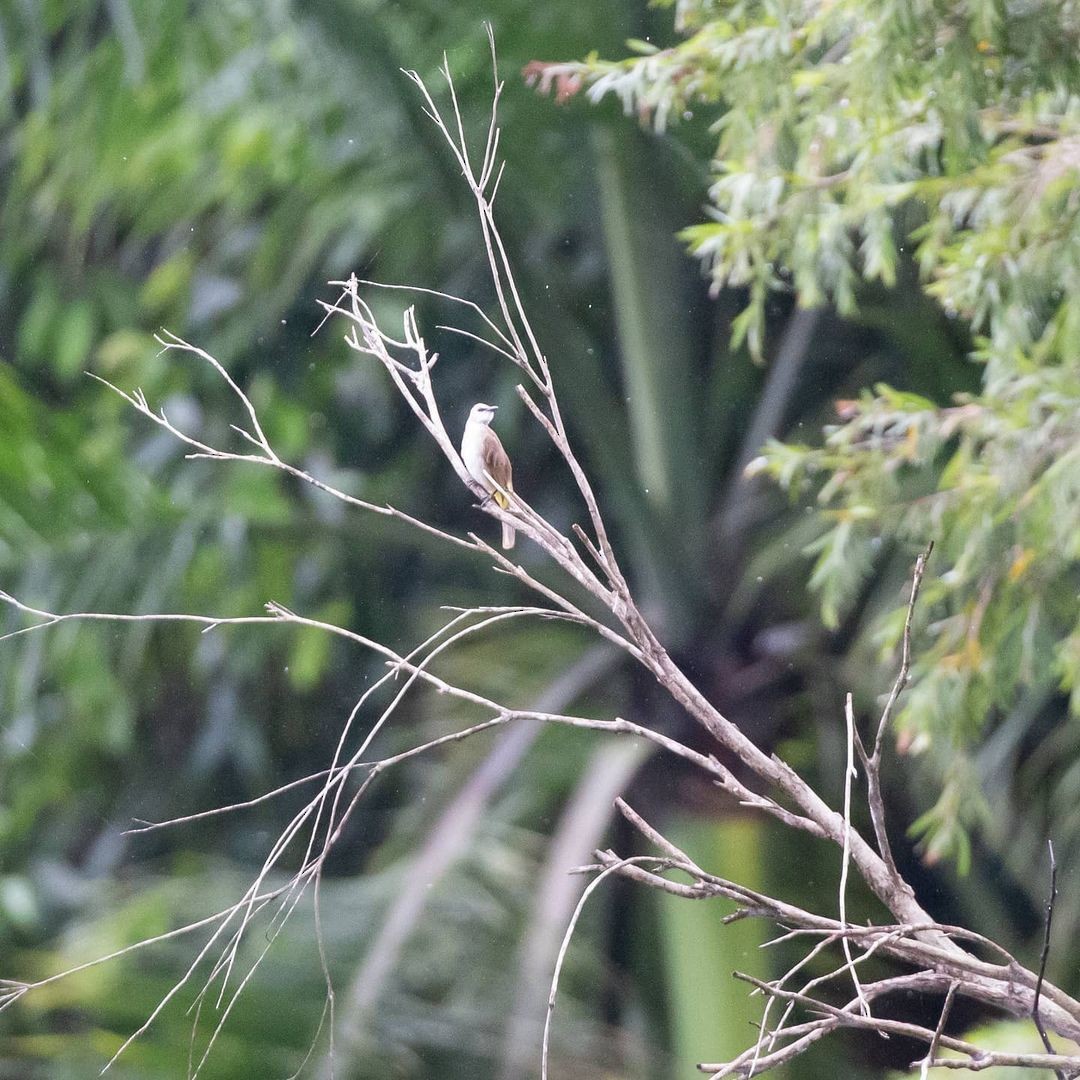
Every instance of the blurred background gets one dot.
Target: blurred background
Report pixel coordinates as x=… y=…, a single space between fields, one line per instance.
x=207 y=167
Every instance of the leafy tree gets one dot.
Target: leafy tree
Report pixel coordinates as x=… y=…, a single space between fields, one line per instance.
x=863 y=152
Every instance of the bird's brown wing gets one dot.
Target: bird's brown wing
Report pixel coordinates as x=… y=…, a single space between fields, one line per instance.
x=496 y=464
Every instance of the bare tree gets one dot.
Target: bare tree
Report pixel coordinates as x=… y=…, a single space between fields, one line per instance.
x=946 y=960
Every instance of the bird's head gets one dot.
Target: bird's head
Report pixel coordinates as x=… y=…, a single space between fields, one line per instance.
x=481 y=413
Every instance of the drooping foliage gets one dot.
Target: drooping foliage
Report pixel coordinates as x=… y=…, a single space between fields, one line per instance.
x=860 y=148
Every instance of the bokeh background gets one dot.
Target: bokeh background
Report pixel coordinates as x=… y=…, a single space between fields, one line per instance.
x=208 y=167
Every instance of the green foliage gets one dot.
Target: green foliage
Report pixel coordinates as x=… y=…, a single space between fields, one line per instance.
x=992 y=480
x=834 y=118
x=858 y=146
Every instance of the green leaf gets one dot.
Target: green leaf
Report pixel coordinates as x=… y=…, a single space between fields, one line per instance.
x=76 y=330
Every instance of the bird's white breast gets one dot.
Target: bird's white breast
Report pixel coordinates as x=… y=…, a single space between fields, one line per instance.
x=472 y=446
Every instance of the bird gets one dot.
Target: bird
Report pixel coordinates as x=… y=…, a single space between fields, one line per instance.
x=486 y=460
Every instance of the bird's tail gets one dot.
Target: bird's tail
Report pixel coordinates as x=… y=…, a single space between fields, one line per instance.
x=508 y=530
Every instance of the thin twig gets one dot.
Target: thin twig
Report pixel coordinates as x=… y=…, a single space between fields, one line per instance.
x=564 y=947
x=905 y=657
x=845 y=863
x=931 y=1052
x=872 y=762
x=1044 y=956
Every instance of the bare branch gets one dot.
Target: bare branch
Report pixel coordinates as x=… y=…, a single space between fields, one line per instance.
x=931 y=1052
x=1044 y=955
x=872 y=762
x=169 y=341
x=905 y=659
x=589 y=890
x=845 y=864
